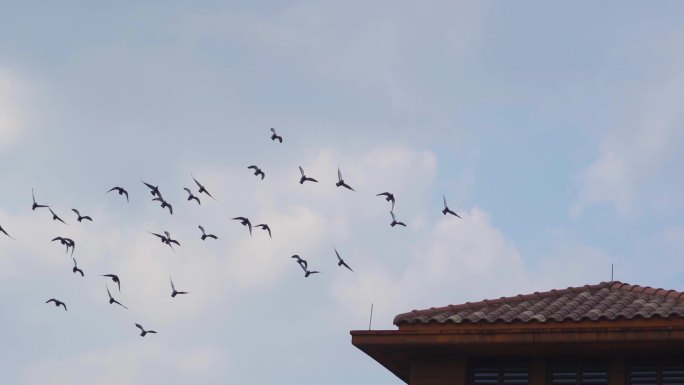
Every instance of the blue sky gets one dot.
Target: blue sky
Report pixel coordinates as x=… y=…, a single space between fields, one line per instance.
x=553 y=129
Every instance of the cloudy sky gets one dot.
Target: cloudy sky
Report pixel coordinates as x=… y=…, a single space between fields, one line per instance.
x=553 y=129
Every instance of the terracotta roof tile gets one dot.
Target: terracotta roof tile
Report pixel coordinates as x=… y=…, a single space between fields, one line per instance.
x=605 y=301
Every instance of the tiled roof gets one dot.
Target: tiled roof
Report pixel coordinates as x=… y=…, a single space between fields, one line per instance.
x=605 y=301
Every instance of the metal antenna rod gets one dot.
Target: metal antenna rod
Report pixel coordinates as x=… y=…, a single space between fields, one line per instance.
x=611 y=272
x=370 y=322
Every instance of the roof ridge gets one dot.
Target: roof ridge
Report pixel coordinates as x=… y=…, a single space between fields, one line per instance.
x=455 y=310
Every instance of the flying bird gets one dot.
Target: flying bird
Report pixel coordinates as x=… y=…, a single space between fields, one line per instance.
x=114 y=278
x=143 y=331
x=257 y=171
x=340 y=181
x=191 y=196
x=275 y=136
x=395 y=221
x=389 y=197
x=304 y=265
x=68 y=242
x=170 y=240
x=166 y=239
x=341 y=262
x=265 y=227
x=202 y=189
x=36 y=205
x=300 y=261
x=205 y=235
x=120 y=190
x=447 y=210
x=245 y=222
x=55 y=217
x=57 y=302
x=112 y=300
x=164 y=204
x=175 y=292
x=76 y=269
x=4 y=232
x=82 y=217
x=305 y=178
x=154 y=190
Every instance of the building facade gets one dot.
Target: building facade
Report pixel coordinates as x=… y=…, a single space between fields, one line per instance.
x=606 y=334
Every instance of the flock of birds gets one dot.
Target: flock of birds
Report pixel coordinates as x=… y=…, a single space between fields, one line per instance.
x=166 y=238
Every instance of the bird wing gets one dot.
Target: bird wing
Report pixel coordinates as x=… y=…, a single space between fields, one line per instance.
x=339 y=174
x=348 y=186
x=444 y=199
x=140 y=327
x=393 y=217
x=338 y=255
x=188 y=190
x=347 y=266
x=212 y=236
x=170 y=208
x=76 y=211
x=120 y=304
x=240 y=218
x=152 y=331
x=112 y=189
x=108 y=293
x=158 y=235
x=196 y=182
x=148 y=185
x=253 y=167
x=201 y=228
x=51 y=300
x=385 y=194
x=125 y=193
x=172 y=286
x=301 y=170
x=33 y=196
x=63 y=304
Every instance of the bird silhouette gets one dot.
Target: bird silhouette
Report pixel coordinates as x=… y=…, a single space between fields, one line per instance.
x=341 y=182
x=245 y=222
x=57 y=302
x=265 y=227
x=305 y=178
x=68 y=242
x=389 y=197
x=55 y=217
x=36 y=205
x=154 y=190
x=76 y=269
x=191 y=196
x=166 y=239
x=175 y=292
x=164 y=204
x=395 y=221
x=275 y=136
x=447 y=210
x=257 y=171
x=205 y=235
x=114 y=278
x=82 y=217
x=143 y=331
x=300 y=261
x=341 y=262
x=112 y=300
x=202 y=189
x=304 y=267
x=5 y=232
x=120 y=190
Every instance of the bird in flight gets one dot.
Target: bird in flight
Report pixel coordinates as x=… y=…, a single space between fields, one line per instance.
x=164 y=204
x=166 y=239
x=76 y=269
x=154 y=190
x=275 y=136
x=202 y=189
x=305 y=178
x=341 y=262
x=300 y=261
x=389 y=197
x=205 y=235
x=447 y=210
x=120 y=190
x=57 y=302
x=68 y=242
x=304 y=265
x=55 y=217
x=191 y=196
x=340 y=181
x=143 y=331
x=175 y=292
x=36 y=205
x=265 y=227
x=4 y=232
x=395 y=221
x=82 y=217
x=114 y=278
x=257 y=171
x=245 y=222
x=112 y=300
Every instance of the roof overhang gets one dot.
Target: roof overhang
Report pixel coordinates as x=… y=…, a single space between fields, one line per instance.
x=396 y=349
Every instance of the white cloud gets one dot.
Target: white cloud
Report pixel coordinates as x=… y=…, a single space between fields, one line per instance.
x=12 y=94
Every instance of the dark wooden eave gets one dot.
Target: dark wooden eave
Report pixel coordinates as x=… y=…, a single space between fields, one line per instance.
x=396 y=349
